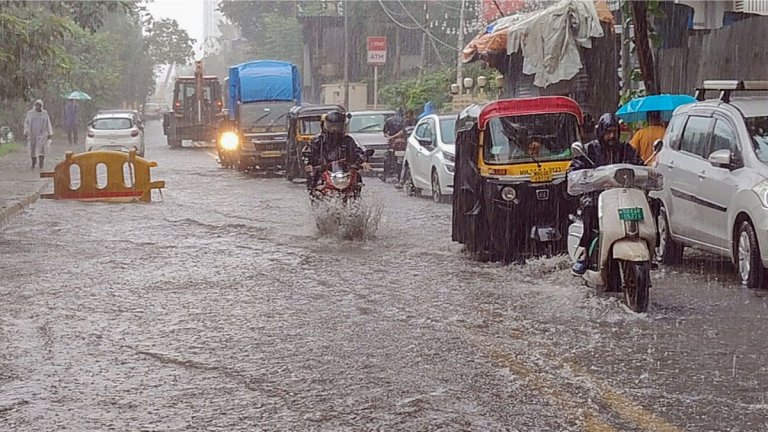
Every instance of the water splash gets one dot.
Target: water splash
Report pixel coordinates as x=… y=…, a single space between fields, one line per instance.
x=358 y=220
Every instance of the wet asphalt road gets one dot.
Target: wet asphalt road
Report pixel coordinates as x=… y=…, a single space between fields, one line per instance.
x=223 y=308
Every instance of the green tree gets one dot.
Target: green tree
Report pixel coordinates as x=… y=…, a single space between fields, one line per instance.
x=168 y=44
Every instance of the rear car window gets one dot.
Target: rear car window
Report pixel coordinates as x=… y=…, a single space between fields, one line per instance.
x=112 y=124
x=696 y=136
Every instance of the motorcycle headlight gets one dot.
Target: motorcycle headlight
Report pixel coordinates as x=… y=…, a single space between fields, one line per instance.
x=508 y=193
x=340 y=181
x=229 y=141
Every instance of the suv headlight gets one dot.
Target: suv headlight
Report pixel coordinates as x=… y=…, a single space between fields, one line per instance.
x=761 y=189
x=449 y=157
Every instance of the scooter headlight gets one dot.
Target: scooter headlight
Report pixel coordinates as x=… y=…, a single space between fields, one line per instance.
x=229 y=141
x=341 y=181
x=508 y=193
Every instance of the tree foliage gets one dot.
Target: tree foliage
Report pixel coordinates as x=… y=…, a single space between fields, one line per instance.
x=167 y=43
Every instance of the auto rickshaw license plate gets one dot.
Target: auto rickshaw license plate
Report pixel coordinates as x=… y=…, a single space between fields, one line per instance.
x=271 y=153
x=631 y=214
x=541 y=176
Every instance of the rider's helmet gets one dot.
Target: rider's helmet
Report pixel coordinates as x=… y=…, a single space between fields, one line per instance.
x=335 y=123
x=608 y=122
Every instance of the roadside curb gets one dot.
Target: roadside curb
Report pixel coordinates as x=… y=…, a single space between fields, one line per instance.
x=7 y=214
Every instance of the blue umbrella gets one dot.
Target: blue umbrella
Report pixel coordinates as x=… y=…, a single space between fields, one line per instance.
x=637 y=110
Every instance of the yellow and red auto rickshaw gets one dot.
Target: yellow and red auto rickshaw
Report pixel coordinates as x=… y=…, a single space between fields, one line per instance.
x=510 y=198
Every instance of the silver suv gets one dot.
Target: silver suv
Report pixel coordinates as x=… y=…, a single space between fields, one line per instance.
x=715 y=167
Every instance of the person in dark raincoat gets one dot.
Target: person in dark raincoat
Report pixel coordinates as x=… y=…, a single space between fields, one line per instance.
x=38 y=131
x=70 y=120
x=606 y=149
x=330 y=145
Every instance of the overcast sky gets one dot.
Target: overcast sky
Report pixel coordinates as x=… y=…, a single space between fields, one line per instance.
x=189 y=14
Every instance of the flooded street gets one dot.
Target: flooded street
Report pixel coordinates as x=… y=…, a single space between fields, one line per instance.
x=222 y=308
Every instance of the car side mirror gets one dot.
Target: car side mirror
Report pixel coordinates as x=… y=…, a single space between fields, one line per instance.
x=369 y=153
x=658 y=145
x=425 y=142
x=720 y=158
x=577 y=149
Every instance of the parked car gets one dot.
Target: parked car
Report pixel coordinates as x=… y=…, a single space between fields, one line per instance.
x=430 y=157
x=117 y=132
x=715 y=166
x=367 y=129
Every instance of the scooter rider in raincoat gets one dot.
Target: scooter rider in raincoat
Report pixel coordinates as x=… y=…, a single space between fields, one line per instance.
x=606 y=149
x=330 y=145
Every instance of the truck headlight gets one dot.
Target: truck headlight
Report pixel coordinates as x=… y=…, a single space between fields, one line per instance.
x=229 y=141
x=761 y=189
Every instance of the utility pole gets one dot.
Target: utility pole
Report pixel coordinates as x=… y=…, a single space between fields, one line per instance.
x=424 y=41
x=345 y=5
x=460 y=46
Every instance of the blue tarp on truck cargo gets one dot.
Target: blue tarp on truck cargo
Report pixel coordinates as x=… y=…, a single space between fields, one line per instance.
x=263 y=80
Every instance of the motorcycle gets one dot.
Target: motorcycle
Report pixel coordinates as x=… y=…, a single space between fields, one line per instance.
x=338 y=179
x=393 y=161
x=621 y=255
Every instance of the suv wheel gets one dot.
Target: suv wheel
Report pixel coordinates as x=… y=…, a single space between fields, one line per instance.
x=668 y=251
x=748 y=262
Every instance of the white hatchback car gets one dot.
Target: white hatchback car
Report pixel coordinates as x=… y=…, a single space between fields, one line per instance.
x=114 y=132
x=430 y=157
x=715 y=167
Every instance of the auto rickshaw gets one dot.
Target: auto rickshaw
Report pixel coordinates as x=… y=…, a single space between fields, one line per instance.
x=303 y=125
x=510 y=200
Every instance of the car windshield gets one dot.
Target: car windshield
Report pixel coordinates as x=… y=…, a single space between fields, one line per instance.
x=269 y=116
x=112 y=124
x=373 y=123
x=528 y=138
x=448 y=130
x=758 y=129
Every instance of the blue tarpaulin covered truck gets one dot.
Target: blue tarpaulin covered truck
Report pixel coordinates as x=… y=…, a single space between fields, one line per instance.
x=260 y=95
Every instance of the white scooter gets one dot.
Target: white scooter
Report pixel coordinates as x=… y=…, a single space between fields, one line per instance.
x=620 y=257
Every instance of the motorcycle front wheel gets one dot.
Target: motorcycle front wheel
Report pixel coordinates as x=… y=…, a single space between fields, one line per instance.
x=637 y=284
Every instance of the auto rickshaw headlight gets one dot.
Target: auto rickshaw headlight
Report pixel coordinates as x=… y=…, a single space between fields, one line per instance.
x=508 y=193
x=229 y=141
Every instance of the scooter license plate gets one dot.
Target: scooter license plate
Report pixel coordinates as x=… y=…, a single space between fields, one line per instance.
x=631 y=214
x=400 y=153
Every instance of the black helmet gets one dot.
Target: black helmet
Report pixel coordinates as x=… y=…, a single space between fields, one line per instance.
x=605 y=122
x=335 y=122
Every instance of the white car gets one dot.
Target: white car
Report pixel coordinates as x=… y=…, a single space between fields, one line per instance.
x=430 y=158
x=117 y=132
x=715 y=166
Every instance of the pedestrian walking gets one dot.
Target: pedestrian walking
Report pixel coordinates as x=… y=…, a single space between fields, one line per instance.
x=71 y=120
x=39 y=132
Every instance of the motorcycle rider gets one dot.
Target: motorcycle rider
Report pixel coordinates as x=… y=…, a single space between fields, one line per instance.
x=606 y=149
x=330 y=145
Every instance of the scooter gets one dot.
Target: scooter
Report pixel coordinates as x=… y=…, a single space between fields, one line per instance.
x=393 y=161
x=620 y=257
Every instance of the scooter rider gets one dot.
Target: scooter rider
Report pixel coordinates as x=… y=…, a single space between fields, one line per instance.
x=330 y=145
x=606 y=149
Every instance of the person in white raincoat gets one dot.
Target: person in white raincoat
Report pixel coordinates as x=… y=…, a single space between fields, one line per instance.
x=38 y=131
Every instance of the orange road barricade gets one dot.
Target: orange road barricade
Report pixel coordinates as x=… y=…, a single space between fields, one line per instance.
x=103 y=176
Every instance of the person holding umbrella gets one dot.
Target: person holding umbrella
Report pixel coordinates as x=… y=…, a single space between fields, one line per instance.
x=644 y=138
x=71 y=120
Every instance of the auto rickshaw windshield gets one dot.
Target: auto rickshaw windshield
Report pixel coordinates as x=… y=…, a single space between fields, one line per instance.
x=310 y=125
x=525 y=138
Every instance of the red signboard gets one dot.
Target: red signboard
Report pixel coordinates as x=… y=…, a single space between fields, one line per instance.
x=377 y=50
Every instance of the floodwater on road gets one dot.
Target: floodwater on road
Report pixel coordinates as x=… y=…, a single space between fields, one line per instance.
x=221 y=307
